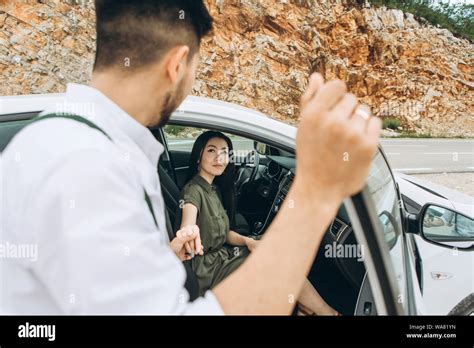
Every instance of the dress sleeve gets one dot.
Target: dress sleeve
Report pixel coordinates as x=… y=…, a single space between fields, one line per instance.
x=192 y=194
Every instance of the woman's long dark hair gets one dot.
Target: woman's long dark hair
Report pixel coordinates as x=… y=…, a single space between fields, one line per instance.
x=225 y=181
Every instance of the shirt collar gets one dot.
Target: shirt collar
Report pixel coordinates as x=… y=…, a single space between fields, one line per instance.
x=96 y=105
x=204 y=183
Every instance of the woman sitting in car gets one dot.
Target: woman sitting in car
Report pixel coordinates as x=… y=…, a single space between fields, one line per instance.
x=208 y=201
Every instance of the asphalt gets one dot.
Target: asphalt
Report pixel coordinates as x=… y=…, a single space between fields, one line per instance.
x=423 y=156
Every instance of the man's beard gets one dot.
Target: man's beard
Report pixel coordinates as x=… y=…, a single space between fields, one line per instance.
x=172 y=101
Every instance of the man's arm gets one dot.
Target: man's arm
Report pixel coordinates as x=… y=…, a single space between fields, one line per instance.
x=334 y=149
x=270 y=280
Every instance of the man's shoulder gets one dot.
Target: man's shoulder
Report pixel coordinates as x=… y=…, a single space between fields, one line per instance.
x=52 y=137
x=45 y=146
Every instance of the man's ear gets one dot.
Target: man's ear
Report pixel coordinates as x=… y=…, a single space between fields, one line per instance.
x=176 y=63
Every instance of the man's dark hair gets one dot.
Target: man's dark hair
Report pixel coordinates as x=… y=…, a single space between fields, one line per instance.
x=135 y=33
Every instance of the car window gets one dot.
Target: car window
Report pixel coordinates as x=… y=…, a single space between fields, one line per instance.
x=384 y=195
x=180 y=138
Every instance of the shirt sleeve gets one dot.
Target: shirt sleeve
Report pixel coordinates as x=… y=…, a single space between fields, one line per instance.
x=192 y=195
x=99 y=251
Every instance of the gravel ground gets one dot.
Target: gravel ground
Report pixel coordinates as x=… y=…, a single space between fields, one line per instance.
x=462 y=182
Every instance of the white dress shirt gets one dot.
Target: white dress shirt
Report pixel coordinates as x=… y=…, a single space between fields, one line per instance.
x=76 y=235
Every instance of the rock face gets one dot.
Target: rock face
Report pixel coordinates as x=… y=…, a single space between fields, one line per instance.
x=262 y=52
x=44 y=44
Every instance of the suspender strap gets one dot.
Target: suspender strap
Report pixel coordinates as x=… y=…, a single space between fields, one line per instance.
x=75 y=118
x=150 y=206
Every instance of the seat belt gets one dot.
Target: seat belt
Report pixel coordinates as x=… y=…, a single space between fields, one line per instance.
x=169 y=228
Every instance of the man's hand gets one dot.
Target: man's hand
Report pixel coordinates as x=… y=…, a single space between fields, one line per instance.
x=333 y=135
x=187 y=243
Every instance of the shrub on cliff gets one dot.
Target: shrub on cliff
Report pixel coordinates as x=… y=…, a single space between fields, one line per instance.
x=457 y=18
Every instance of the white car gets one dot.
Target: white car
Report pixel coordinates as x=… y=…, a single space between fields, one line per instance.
x=444 y=271
x=372 y=258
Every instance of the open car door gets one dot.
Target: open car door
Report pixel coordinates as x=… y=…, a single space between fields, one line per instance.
x=377 y=220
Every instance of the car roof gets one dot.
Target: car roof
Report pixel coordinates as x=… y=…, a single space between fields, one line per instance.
x=17 y=104
x=193 y=111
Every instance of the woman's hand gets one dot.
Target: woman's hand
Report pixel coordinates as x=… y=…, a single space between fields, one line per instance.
x=251 y=243
x=187 y=243
x=323 y=310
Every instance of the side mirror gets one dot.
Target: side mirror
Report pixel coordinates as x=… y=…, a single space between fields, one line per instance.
x=261 y=148
x=445 y=227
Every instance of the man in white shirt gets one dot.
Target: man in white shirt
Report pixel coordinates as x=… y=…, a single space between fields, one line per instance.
x=89 y=198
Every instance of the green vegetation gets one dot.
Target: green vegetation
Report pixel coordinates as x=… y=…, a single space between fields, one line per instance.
x=174 y=130
x=458 y=18
x=413 y=134
x=391 y=123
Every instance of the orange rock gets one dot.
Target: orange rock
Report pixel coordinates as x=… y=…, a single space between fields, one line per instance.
x=261 y=55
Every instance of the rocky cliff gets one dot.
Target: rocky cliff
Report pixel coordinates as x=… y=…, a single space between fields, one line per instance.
x=262 y=52
x=44 y=44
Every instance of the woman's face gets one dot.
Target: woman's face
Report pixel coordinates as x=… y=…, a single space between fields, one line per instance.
x=215 y=157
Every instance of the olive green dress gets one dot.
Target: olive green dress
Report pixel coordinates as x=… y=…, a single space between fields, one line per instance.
x=219 y=259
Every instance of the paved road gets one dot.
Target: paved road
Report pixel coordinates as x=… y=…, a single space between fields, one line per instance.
x=410 y=156
x=430 y=155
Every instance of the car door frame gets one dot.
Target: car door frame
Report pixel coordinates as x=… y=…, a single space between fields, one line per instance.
x=362 y=213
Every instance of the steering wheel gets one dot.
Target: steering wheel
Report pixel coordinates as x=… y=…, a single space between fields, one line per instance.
x=241 y=180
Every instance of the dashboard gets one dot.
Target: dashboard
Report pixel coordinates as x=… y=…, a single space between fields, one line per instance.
x=339 y=233
x=282 y=170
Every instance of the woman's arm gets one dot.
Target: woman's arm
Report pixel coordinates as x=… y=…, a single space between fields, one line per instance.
x=189 y=218
x=189 y=215
x=233 y=238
